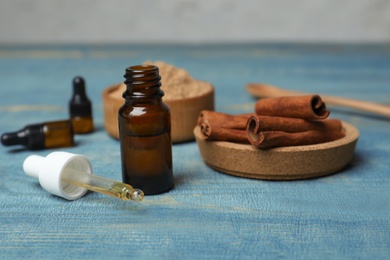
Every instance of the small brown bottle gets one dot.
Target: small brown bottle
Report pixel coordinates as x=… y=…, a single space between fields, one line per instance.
x=80 y=108
x=41 y=136
x=145 y=132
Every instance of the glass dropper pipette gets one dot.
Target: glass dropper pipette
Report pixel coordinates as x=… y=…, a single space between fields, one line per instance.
x=102 y=185
x=69 y=176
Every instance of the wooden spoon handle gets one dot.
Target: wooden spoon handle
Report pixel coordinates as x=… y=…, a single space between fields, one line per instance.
x=260 y=90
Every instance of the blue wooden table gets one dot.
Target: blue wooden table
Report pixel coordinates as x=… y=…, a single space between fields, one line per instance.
x=208 y=214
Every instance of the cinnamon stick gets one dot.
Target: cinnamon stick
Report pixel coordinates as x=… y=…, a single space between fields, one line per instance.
x=309 y=107
x=223 y=119
x=271 y=139
x=257 y=123
x=215 y=132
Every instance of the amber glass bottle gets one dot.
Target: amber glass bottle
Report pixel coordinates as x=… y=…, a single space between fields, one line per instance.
x=41 y=136
x=80 y=108
x=145 y=132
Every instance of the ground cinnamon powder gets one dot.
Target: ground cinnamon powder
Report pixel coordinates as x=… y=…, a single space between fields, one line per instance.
x=176 y=83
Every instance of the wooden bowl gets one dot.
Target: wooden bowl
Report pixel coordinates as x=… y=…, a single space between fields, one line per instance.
x=184 y=112
x=284 y=163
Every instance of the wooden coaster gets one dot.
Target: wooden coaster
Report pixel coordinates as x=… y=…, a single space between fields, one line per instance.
x=284 y=163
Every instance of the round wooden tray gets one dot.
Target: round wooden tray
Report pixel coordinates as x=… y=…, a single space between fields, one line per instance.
x=284 y=163
x=184 y=112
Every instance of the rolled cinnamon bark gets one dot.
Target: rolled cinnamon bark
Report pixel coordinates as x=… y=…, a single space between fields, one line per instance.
x=214 y=132
x=257 y=123
x=225 y=120
x=271 y=139
x=309 y=107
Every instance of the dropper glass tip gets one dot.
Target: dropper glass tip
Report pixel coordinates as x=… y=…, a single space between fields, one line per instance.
x=137 y=195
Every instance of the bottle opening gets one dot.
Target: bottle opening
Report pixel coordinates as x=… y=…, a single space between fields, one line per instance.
x=139 y=68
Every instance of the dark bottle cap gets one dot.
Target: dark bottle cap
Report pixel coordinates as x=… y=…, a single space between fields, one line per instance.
x=32 y=136
x=79 y=104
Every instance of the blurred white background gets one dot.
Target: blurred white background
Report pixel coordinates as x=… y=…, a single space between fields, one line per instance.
x=193 y=21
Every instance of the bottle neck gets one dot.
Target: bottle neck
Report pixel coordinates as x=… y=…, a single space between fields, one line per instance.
x=143 y=83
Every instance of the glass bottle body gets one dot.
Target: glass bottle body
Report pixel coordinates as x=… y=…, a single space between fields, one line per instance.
x=58 y=134
x=42 y=136
x=82 y=124
x=145 y=139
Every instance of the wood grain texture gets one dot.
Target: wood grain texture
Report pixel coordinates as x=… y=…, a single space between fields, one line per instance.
x=207 y=214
